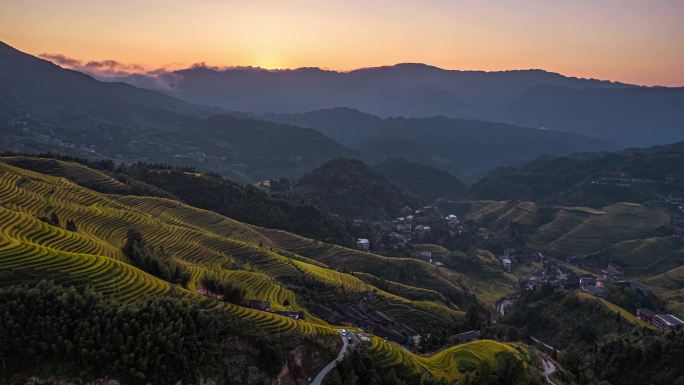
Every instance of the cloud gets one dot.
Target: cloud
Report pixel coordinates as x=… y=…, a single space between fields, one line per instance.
x=60 y=59
x=114 y=66
x=160 y=79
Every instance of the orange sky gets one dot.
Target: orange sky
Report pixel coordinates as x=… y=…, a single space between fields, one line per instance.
x=636 y=41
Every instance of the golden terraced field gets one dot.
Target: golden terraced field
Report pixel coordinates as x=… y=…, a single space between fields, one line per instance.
x=207 y=243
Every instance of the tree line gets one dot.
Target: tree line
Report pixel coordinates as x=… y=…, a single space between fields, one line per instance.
x=63 y=330
x=154 y=260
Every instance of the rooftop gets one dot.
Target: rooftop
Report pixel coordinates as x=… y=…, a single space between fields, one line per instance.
x=670 y=320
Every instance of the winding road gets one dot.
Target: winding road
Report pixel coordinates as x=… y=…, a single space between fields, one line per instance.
x=549 y=368
x=324 y=372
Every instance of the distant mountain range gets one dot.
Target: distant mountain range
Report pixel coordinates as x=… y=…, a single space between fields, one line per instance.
x=628 y=114
x=462 y=147
x=44 y=107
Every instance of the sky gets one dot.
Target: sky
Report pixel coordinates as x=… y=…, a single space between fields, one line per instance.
x=634 y=41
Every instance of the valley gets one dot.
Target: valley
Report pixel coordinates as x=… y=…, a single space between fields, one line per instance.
x=436 y=284
x=341 y=193
x=204 y=243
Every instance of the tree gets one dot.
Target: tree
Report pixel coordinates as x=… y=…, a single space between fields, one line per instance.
x=509 y=369
x=473 y=319
x=71 y=225
x=221 y=286
x=154 y=261
x=54 y=219
x=333 y=378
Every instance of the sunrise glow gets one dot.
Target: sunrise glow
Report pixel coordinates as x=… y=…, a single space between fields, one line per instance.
x=608 y=39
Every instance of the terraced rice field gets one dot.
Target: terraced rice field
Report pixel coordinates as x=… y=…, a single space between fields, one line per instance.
x=576 y=231
x=203 y=220
x=580 y=231
x=476 y=210
x=649 y=255
x=498 y=213
x=206 y=243
x=410 y=292
x=408 y=272
x=73 y=171
x=31 y=249
x=446 y=364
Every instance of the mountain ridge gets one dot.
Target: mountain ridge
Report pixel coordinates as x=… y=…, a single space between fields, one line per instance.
x=44 y=107
x=460 y=146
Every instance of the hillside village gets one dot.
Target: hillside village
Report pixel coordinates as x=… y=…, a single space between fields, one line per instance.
x=415 y=228
x=562 y=275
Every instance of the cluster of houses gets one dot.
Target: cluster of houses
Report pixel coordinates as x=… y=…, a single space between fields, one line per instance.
x=551 y=274
x=661 y=321
x=620 y=179
x=610 y=275
x=396 y=234
x=555 y=275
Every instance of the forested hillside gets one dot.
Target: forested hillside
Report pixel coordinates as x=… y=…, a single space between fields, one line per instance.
x=352 y=189
x=422 y=181
x=595 y=180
